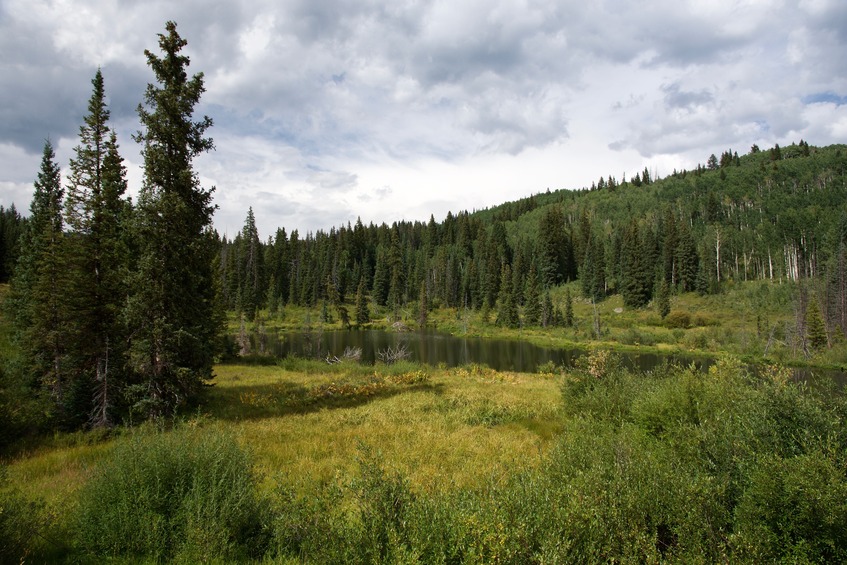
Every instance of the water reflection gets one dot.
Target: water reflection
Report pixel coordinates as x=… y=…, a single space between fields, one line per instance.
x=435 y=348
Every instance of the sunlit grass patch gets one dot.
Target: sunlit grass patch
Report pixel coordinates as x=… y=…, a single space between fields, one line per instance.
x=444 y=428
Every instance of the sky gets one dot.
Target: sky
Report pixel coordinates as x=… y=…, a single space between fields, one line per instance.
x=326 y=111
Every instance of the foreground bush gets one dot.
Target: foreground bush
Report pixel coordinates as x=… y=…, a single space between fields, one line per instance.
x=188 y=495
x=23 y=523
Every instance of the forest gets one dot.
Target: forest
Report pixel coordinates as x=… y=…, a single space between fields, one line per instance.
x=773 y=215
x=134 y=428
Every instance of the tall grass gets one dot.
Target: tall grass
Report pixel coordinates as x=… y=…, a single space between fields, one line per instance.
x=188 y=495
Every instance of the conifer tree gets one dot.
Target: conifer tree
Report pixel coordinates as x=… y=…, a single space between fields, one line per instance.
x=507 y=311
x=546 y=314
x=635 y=271
x=395 y=274
x=382 y=276
x=555 y=251
x=532 y=298
x=568 y=308
x=171 y=309
x=593 y=274
x=686 y=259
x=815 y=328
x=423 y=306
x=97 y=253
x=251 y=267
x=39 y=285
x=363 y=316
x=11 y=227
x=663 y=299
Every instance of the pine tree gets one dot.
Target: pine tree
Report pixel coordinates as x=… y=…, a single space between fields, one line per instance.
x=686 y=259
x=395 y=274
x=363 y=316
x=635 y=271
x=712 y=163
x=171 y=309
x=507 y=311
x=423 y=306
x=815 y=328
x=593 y=273
x=382 y=276
x=97 y=251
x=532 y=298
x=39 y=285
x=568 y=319
x=663 y=299
x=555 y=251
x=11 y=228
x=546 y=314
x=251 y=267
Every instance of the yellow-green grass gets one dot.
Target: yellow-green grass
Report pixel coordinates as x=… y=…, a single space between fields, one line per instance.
x=451 y=428
x=305 y=426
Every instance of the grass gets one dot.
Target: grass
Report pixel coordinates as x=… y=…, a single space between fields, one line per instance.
x=441 y=426
x=306 y=423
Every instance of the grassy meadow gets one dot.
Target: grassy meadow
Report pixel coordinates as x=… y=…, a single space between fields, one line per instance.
x=306 y=424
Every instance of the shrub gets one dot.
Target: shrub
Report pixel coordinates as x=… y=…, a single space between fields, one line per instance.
x=635 y=336
x=22 y=521
x=678 y=319
x=794 y=511
x=702 y=320
x=189 y=494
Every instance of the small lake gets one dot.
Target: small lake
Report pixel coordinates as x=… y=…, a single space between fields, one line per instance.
x=434 y=348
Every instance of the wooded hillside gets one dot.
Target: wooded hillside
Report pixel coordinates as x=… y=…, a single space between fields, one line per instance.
x=774 y=214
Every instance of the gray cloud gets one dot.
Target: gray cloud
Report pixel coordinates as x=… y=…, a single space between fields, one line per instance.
x=677 y=98
x=311 y=98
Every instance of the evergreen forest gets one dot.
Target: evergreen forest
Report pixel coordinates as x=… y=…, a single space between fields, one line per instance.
x=772 y=215
x=137 y=425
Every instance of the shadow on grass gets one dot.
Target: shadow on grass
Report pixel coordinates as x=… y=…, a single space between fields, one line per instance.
x=253 y=402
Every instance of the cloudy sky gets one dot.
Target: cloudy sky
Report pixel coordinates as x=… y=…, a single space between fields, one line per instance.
x=329 y=110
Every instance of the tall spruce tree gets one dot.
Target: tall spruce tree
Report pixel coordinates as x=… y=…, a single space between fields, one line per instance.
x=39 y=285
x=172 y=306
x=507 y=310
x=635 y=271
x=687 y=262
x=568 y=308
x=251 y=268
x=363 y=315
x=532 y=297
x=11 y=227
x=97 y=254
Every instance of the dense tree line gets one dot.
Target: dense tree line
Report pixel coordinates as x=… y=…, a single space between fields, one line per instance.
x=114 y=304
x=12 y=226
x=766 y=215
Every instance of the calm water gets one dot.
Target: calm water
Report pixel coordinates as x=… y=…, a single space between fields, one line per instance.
x=435 y=348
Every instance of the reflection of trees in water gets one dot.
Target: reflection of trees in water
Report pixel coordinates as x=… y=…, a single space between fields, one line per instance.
x=501 y=355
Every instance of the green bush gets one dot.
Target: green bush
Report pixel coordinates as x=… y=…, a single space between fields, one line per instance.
x=678 y=319
x=188 y=495
x=795 y=510
x=636 y=336
x=22 y=523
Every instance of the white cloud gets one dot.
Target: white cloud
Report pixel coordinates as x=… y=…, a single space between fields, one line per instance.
x=326 y=111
